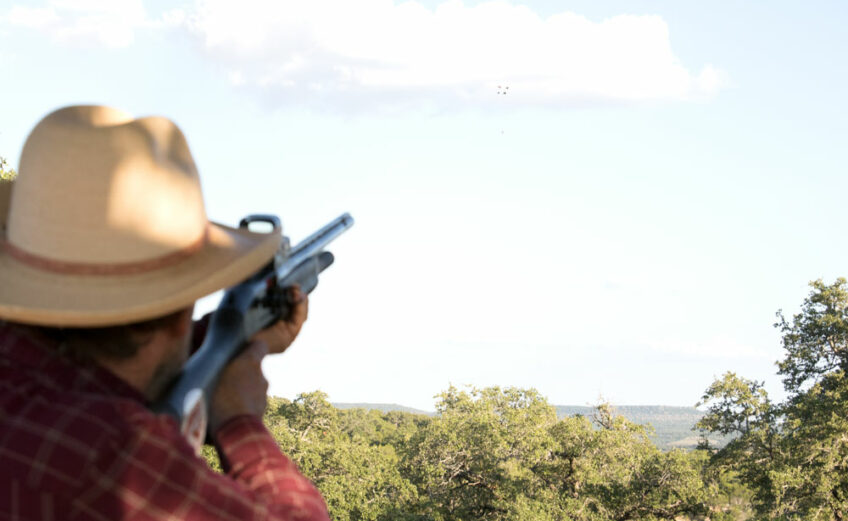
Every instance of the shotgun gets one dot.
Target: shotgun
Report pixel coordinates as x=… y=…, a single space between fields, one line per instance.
x=245 y=310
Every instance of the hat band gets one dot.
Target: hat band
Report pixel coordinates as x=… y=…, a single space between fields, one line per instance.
x=122 y=268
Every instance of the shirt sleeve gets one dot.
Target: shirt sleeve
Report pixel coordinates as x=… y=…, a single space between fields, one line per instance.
x=156 y=475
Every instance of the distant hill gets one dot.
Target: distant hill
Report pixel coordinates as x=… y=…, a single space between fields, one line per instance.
x=382 y=407
x=672 y=425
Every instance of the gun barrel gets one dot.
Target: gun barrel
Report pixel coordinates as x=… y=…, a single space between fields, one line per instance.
x=314 y=243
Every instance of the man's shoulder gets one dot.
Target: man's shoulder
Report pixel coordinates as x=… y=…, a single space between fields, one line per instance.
x=57 y=440
x=42 y=390
x=74 y=426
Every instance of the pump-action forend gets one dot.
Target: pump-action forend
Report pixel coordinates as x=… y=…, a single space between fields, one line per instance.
x=245 y=310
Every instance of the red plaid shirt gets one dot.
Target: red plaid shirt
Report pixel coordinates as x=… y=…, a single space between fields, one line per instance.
x=77 y=442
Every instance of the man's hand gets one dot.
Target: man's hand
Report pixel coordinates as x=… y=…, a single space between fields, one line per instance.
x=281 y=335
x=242 y=389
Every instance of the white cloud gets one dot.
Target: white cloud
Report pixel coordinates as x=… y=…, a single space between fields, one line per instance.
x=373 y=52
x=108 y=23
x=339 y=54
x=33 y=17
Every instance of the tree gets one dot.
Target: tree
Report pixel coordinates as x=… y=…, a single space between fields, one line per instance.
x=740 y=408
x=501 y=454
x=475 y=460
x=6 y=173
x=816 y=340
x=793 y=455
x=612 y=471
x=344 y=454
x=816 y=412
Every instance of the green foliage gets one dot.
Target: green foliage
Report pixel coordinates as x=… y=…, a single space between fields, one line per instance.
x=816 y=341
x=476 y=457
x=741 y=408
x=814 y=480
x=608 y=468
x=345 y=453
x=736 y=406
x=6 y=173
x=488 y=454
x=208 y=453
x=730 y=498
x=794 y=455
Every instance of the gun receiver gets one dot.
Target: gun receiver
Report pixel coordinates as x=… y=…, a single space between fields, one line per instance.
x=245 y=310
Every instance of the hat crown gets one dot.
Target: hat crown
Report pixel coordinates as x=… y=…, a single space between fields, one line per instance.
x=96 y=186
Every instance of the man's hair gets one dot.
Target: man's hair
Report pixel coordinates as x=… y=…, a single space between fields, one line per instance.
x=114 y=342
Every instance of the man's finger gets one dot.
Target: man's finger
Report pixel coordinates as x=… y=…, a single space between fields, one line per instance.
x=295 y=295
x=300 y=312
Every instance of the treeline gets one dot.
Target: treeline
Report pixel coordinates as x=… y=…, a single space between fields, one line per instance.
x=502 y=454
x=490 y=454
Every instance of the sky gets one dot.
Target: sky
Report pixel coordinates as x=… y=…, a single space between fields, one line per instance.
x=598 y=200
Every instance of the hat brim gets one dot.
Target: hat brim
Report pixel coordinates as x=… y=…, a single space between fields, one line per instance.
x=33 y=296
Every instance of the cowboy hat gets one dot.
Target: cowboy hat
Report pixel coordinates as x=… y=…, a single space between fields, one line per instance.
x=105 y=225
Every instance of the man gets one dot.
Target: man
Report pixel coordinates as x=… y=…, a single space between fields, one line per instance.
x=105 y=248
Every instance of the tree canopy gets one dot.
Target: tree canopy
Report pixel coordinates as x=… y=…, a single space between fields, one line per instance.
x=487 y=454
x=793 y=455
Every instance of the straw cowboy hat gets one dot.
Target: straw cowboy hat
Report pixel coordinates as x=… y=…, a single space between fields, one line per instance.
x=105 y=225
